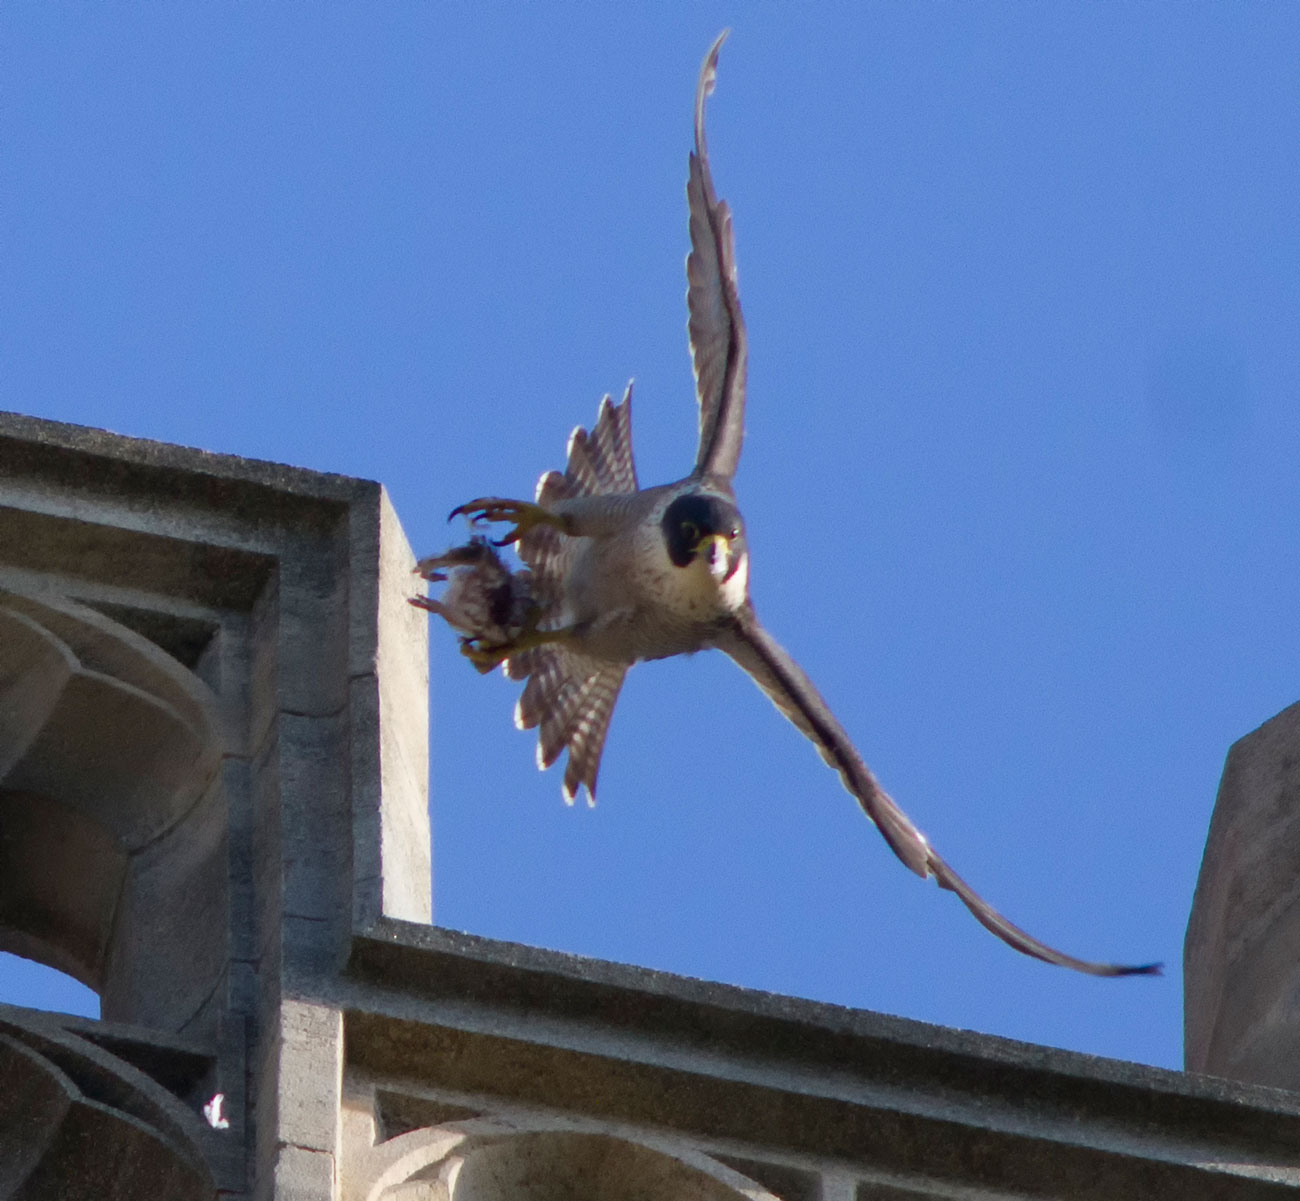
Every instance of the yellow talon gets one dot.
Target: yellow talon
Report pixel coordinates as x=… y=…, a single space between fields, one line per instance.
x=486 y=656
x=523 y=514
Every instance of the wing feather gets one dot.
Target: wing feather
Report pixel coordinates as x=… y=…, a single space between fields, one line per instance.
x=609 y=447
x=600 y=463
x=794 y=695
x=716 y=326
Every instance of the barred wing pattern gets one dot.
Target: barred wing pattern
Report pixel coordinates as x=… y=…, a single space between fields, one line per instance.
x=601 y=462
x=789 y=688
x=569 y=698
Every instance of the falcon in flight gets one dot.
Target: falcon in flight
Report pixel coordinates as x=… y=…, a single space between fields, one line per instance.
x=615 y=573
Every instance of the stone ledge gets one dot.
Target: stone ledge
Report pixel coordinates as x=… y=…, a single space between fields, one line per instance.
x=483 y=1016
x=26 y=437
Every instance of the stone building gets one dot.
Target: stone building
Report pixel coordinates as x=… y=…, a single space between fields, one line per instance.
x=213 y=810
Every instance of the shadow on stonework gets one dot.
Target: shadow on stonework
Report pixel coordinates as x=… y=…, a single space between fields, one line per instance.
x=112 y=816
x=79 y=1124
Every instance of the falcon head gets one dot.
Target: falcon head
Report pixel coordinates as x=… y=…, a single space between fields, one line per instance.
x=703 y=530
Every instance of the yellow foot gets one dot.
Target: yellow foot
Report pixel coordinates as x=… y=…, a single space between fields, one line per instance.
x=487 y=655
x=485 y=658
x=522 y=513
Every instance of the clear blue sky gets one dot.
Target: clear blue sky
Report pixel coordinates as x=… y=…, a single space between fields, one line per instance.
x=1023 y=292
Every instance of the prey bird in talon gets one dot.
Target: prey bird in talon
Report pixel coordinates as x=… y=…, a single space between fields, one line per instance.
x=616 y=573
x=492 y=606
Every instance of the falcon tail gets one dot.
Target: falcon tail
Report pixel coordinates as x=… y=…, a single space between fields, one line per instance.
x=569 y=698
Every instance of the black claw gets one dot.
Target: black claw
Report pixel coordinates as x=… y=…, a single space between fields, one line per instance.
x=465 y=510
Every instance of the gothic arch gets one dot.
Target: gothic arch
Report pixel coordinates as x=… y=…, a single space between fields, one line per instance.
x=548 y=1160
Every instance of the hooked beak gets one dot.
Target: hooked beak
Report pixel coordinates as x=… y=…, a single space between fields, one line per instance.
x=716 y=552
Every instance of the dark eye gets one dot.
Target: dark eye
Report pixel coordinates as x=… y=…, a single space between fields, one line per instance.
x=691 y=531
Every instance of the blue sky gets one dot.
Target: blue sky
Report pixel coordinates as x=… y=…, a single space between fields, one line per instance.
x=1023 y=294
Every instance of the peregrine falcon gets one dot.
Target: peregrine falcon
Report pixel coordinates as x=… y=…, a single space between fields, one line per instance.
x=615 y=573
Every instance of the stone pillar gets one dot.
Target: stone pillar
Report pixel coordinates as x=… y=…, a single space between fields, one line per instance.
x=1242 y=953
x=213 y=769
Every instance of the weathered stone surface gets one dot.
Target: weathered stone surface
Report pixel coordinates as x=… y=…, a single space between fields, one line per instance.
x=1242 y=954
x=543 y=1160
x=312 y=626
x=297 y=1174
x=36 y=668
x=179 y=608
x=302 y=1074
x=99 y=645
x=34 y=1100
x=102 y=720
x=198 y=606
x=60 y=876
x=391 y=831
x=511 y=1030
x=114 y=868
x=390 y=710
x=402 y=678
x=264 y=667
x=316 y=826
x=170 y=948
x=78 y=1123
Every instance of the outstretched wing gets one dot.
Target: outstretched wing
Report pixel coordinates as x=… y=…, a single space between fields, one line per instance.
x=717 y=329
x=793 y=693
